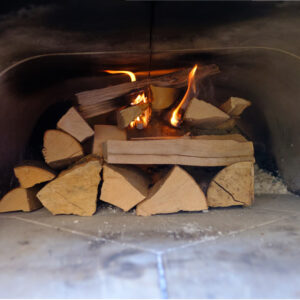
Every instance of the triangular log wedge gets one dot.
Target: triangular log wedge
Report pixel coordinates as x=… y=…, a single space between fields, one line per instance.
x=234 y=185
x=72 y=123
x=60 y=149
x=123 y=187
x=20 y=199
x=203 y=114
x=234 y=106
x=78 y=163
x=177 y=191
x=126 y=115
x=75 y=192
x=30 y=173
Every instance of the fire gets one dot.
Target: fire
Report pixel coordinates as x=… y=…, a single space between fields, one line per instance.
x=141 y=121
x=177 y=114
x=130 y=74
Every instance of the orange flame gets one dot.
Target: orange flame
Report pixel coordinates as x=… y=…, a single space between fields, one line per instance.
x=130 y=74
x=176 y=116
x=141 y=121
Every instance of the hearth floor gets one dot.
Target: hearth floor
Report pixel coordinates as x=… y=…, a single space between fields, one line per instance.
x=234 y=252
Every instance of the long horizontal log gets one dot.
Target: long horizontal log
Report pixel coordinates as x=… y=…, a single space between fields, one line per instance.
x=194 y=152
x=95 y=102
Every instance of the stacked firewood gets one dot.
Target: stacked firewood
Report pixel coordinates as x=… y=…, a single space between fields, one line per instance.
x=119 y=169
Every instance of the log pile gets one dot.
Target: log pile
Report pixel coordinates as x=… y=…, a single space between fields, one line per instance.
x=144 y=171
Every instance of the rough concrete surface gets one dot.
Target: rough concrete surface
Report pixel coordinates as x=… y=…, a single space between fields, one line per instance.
x=234 y=252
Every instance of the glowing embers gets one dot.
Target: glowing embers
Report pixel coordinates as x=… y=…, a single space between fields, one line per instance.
x=142 y=120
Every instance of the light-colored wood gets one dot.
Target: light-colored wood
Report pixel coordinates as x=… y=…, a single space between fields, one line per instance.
x=162 y=97
x=104 y=133
x=234 y=185
x=234 y=137
x=75 y=192
x=177 y=191
x=227 y=125
x=20 y=199
x=77 y=164
x=123 y=186
x=129 y=114
x=96 y=102
x=197 y=152
x=30 y=173
x=204 y=114
x=72 y=123
x=234 y=106
x=154 y=159
x=60 y=149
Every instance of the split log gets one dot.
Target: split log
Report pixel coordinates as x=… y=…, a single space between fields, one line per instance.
x=234 y=106
x=30 y=173
x=234 y=137
x=60 y=149
x=127 y=115
x=193 y=152
x=97 y=102
x=177 y=191
x=75 y=192
x=123 y=186
x=227 y=125
x=20 y=199
x=234 y=185
x=73 y=124
x=78 y=163
x=203 y=114
x=104 y=133
x=162 y=97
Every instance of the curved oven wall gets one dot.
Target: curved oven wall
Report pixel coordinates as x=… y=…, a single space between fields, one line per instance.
x=267 y=77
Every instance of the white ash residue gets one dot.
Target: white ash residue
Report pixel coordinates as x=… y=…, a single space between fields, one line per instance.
x=266 y=183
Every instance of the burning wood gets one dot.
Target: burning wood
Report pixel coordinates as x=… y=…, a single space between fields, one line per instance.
x=96 y=102
x=191 y=92
x=130 y=116
x=158 y=142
